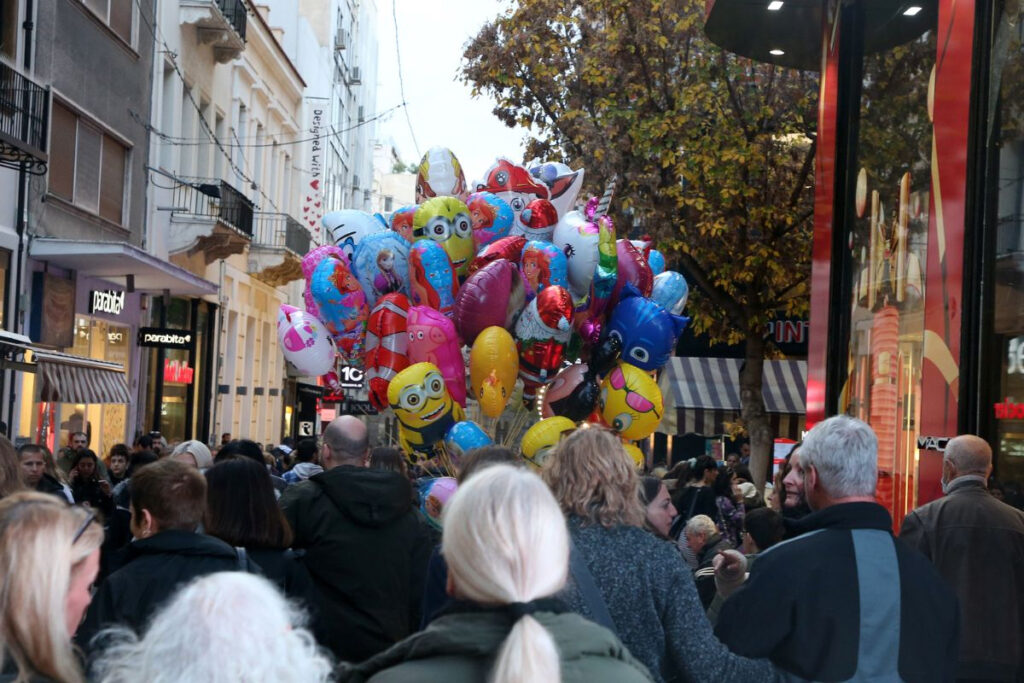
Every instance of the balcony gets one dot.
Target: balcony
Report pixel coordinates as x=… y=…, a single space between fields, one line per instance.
x=209 y=218
x=24 y=108
x=220 y=23
x=278 y=245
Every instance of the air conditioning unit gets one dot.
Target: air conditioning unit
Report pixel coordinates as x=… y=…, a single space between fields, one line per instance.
x=355 y=182
x=360 y=115
x=366 y=195
x=355 y=76
x=341 y=39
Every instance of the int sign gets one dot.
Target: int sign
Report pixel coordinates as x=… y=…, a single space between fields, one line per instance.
x=163 y=338
x=107 y=301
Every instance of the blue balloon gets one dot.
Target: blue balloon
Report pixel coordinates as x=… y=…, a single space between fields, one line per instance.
x=381 y=264
x=671 y=291
x=656 y=260
x=463 y=437
x=647 y=331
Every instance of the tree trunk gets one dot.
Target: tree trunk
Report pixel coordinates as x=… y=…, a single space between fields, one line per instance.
x=755 y=419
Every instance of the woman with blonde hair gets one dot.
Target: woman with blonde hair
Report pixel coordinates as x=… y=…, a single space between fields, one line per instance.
x=507 y=551
x=10 y=469
x=628 y=579
x=49 y=557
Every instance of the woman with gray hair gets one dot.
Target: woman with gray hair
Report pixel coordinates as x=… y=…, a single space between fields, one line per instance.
x=626 y=578
x=195 y=453
x=228 y=626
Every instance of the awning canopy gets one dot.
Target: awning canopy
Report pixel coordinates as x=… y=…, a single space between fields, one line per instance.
x=63 y=377
x=115 y=261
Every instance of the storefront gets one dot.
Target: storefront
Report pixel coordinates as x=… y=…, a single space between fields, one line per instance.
x=917 y=320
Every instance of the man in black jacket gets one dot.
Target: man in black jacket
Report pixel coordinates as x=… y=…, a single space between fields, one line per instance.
x=845 y=600
x=977 y=544
x=366 y=547
x=33 y=471
x=168 y=503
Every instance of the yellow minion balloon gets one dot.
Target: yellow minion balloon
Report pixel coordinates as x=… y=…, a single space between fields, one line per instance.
x=631 y=402
x=423 y=406
x=493 y=368
x=540 y=439
x=446 y=221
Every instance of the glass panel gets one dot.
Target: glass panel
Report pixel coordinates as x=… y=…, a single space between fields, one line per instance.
x=9 y=29
x=87 y=167
x=888 y=243
x=5 y=265
x=121 y=19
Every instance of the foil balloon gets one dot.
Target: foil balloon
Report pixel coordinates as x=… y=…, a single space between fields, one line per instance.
x=631 y=402
x=543 y=265
x=305 y=342
x=381 y=264
x=573 y=393
x=542 y=332
x=636 y=455
x=439 y=174
x=309 y=263
x=463 y=437
x=656 y=260
x=542 y=438
x=349 y=226
x=491 y=217
x=493 y=368
x=670 y=291
x=432 y=280
x=539 y=219
x=493 y=295
x=446 y=221
x=508 y=248
x=563 y=183
x=387 y=345
x=577 y=238
x=632 y=268
x=432 y=339
x=516 y=186
x=647 y=332
x=342 y=305
x=434 y=495
x=424 y=408
x=605 y=354
x=401 y=221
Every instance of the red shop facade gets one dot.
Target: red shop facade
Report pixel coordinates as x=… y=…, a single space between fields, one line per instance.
x=917 y=304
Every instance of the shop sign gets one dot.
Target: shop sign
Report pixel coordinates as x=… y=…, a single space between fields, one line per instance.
x=932 y=443
x=107 y=301
x=351 y=377
x=177 y=371
x=1008 y=410
x=162 y=338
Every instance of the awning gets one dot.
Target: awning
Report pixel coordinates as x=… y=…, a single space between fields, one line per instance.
x=115 y=261
x=63 y=377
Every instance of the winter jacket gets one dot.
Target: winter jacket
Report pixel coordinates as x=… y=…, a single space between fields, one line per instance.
x=977 y=544
x=650 y=594
x=286 y=569
x=689 y=502
x=49 y=484
x=845 y=601
x=301 y=472
x=461 y=647
x=89 y=493
x=367 y=549
x=151 y=571
x=704 y=575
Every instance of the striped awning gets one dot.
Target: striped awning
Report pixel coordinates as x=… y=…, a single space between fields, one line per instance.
x=64 y=378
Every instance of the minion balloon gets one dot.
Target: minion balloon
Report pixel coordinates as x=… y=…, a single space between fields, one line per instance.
x=631 y=402
x=446 y=221
x=424 y=408
x=540 y=439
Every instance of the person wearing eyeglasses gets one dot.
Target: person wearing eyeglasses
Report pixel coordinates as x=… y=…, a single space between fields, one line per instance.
x=49 y=557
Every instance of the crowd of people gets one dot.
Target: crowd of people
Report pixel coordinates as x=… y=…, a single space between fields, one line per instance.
x=317 y=563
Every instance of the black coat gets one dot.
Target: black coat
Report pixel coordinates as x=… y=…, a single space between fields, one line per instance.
x=287 y=571
x=151 y=571
x=367 y=549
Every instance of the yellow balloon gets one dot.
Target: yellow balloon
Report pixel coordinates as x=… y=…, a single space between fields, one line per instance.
x=631 y=402
x=541 y=438
x=635 y=454
x=493 y=368
x=423 y=406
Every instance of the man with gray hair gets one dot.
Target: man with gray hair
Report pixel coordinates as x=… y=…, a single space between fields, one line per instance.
x=365 y=545
x=977 y=544
x=844 y=601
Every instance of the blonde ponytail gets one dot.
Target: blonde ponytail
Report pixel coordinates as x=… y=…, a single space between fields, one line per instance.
x=528 y=654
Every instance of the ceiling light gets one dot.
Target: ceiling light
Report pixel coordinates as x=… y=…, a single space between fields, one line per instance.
x=774 y=5
x=912 y=10
x=777 y=52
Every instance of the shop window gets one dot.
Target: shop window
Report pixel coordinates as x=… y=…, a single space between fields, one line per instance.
x=9 y=29
x=87 y=166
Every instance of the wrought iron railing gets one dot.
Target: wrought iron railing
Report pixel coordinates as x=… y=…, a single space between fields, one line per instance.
x=235 y=12
x=281 y=231
x=214 y=199
x=24 y=108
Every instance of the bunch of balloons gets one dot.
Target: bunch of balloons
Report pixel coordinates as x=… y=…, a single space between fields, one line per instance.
x=543 y=295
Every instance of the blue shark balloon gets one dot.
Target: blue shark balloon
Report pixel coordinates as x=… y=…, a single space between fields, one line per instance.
x=656 y=260
x=381 y=264
x=671 y=291
x=463 y=437
x=647 y=331
x=432 y=280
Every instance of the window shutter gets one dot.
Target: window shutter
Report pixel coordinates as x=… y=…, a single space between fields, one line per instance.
x=112 y=180
x=87 y=167
x=62 y=152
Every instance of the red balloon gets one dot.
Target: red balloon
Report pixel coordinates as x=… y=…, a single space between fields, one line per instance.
x=492 y=296
x=509 y=248
x=386 y=345
x=633 y=268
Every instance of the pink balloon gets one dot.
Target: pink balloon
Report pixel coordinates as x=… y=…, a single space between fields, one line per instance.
x=309 y=263
x=432 y=339
x=305 y=342
x=633 y=268
x=492 y=296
